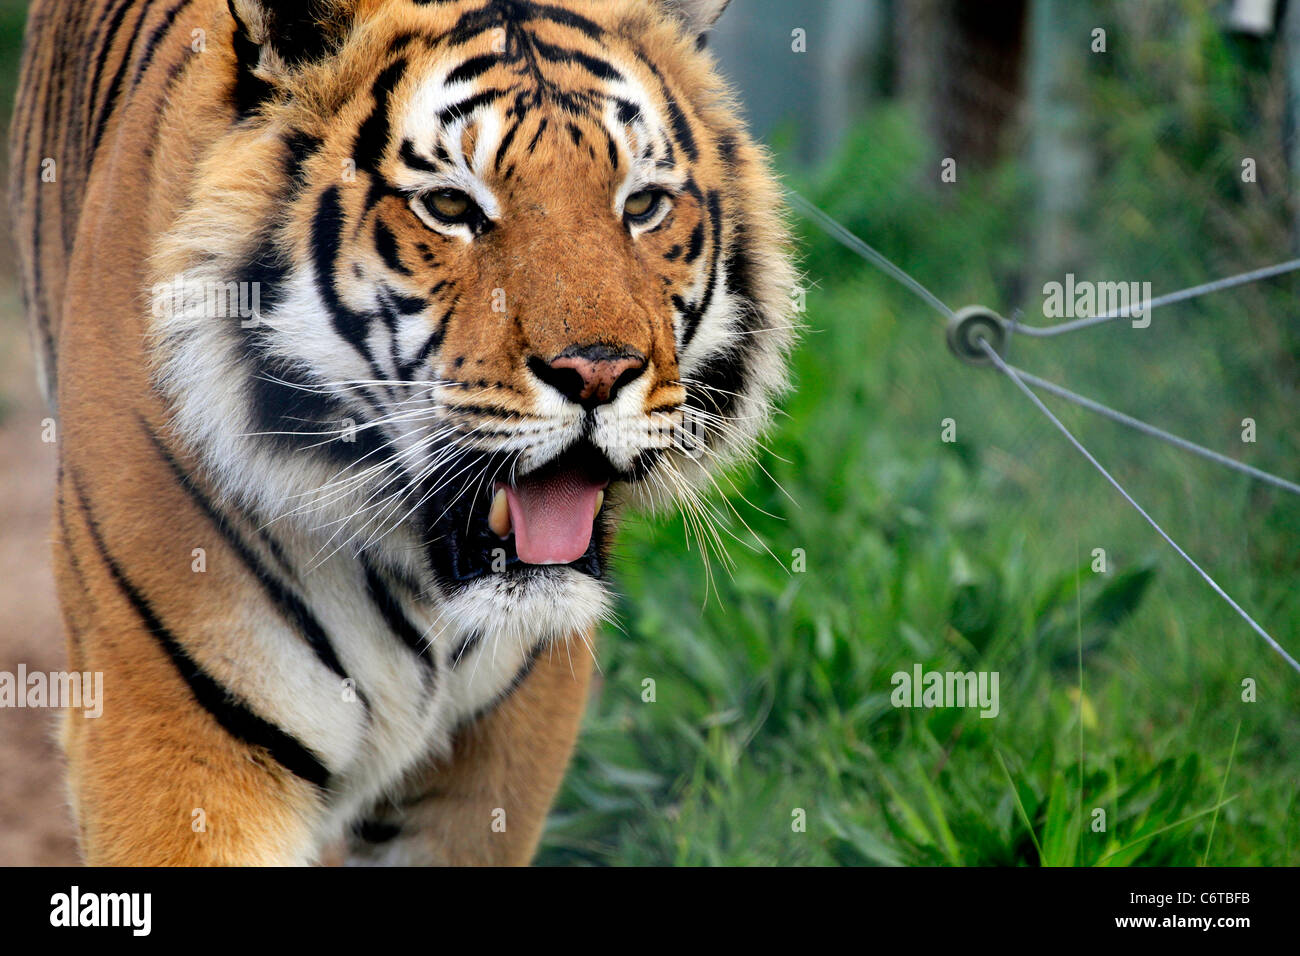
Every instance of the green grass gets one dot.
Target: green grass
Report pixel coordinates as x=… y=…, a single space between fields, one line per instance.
x=1120 y=692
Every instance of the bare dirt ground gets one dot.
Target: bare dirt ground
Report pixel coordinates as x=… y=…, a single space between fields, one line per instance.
x=35 y=826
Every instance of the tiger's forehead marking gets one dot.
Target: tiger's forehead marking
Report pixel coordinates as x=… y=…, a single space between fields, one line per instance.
x=499 y=75
x=441 y=117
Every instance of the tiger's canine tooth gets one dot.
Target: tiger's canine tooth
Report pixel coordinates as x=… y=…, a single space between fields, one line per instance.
x=499 y=514
x=600 y=501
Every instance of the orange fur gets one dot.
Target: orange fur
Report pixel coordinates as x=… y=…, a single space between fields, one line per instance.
x=159 y=174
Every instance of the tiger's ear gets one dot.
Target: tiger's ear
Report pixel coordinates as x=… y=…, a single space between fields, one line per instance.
x=697 y=15
x=273 y=37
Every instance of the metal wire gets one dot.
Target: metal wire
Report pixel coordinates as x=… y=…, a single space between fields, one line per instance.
x=1020 y=379
x=1181 y=295
x=1011 y=374
x=1136 y=423
x=854 y=244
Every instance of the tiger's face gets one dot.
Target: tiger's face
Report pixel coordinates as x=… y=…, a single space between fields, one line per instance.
x=516 y=266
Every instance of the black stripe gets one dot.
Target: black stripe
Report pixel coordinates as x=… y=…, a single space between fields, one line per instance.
x=24 y=108
x=468 y=105
x=379 y=189
x=696 y=244
x=474 y=22
x=302 y=146
x=78 y=572
x=681 y=126
x=506 y=140
x=473 y=67
x=248 y=91
x=293 y=414
x=612 y=147
x=289 y=604
x=69 y=191
x=297 y=30
x=156 y=36
x=694 y=313
x=372 y=137
x=408 y=304
x=566 y=57
x=628 y=113
x=402 y=41
x=505 y=414
x=411 y=158
x=395 y=618
x=291 y=408
x=541 y=128
x=728 y=372
x=326 y=229
x=228 y=711
x=267 y=538
x=433 y=342
x=728 y=148
x=285 y=399
x=107 y=31
x=504 y=13
x=740 y=271
x=386 y=245
x=115 y=86
x=174 y=73
x=541 y=11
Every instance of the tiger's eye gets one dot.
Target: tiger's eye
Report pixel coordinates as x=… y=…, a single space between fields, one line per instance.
x=640 y=203
x=451 y=205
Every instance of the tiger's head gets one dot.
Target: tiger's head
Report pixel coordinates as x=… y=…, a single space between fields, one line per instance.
x=504 y=268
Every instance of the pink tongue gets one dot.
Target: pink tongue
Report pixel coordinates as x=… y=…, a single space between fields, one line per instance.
x=552 y=518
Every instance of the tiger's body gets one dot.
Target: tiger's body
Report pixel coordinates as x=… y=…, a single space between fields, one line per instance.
x=340 y=551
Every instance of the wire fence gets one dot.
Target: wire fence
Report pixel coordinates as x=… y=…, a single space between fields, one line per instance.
x=981 y=323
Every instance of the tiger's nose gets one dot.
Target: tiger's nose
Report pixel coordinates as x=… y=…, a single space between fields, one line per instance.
x=590 y=375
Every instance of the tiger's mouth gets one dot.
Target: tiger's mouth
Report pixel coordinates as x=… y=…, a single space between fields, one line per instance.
x=552 y=517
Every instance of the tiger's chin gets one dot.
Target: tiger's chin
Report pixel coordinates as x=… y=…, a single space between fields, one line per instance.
x=532 y=606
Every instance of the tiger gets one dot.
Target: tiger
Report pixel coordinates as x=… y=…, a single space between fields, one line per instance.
x=364 y=324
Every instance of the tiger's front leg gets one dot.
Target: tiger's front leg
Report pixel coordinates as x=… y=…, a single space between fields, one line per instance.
x=487 y=803
x=175 y=770
x=145 y=795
